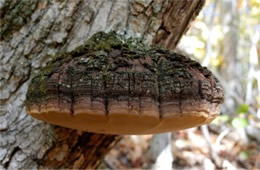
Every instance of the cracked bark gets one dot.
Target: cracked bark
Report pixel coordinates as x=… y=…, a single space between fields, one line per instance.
x=31 y=34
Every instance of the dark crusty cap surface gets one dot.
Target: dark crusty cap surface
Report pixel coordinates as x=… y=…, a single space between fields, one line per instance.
x=117 y=86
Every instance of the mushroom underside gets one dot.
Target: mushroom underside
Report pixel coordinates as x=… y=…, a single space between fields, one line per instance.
x=122 y=118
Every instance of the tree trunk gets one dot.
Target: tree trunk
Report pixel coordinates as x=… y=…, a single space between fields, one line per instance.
x=230 y=24
x=32 y=32
x=159 y=152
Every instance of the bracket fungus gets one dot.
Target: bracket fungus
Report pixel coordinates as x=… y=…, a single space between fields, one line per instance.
x=115 y=85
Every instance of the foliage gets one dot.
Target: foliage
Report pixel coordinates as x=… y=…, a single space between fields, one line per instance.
x=238 y=71
x=226 y=38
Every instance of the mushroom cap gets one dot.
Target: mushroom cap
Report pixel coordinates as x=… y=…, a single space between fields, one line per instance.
x=114 y=85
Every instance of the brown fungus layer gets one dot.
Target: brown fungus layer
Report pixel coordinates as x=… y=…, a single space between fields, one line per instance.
x=120 y=86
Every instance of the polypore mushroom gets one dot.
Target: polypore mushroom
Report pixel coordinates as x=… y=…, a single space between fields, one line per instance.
x=117 y=86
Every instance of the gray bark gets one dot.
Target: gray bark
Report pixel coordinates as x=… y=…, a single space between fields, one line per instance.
x=32 y=32
x=159 y=153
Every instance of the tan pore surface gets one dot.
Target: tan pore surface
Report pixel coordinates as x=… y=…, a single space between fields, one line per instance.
x=123 y=118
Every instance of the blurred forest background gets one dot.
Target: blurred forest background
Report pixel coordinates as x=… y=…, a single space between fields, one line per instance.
x=225 y=37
